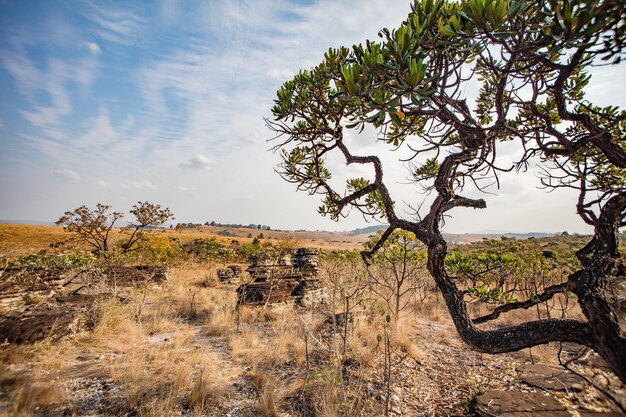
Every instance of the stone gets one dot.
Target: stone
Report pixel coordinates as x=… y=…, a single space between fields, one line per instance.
x=306 y=261
x=267 y=292
x=236 y=269
x=340 y=319
x=231 y=274
x=51 y=303
x=517 y=404
x=550 y=378
x=60 y=316
x=288 y=279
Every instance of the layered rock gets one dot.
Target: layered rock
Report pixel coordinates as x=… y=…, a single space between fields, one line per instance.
x=229 y=275
x=288 y=279
x=38 y=303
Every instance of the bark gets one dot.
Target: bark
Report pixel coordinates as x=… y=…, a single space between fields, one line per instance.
x=506 y=339
x=601 y=332
x=601 y=261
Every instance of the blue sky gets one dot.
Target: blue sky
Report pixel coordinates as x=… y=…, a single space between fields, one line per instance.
x=116 y=102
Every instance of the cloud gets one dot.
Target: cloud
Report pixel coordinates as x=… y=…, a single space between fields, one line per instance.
x=116 y=25
x=93 y=47
x=22 y=69
x=186 y=87
x=197 y=162
x=67 y=174
x=280 y=74
x=143 y=184
x=100 y=133
x=54 y=80
x=184 y=189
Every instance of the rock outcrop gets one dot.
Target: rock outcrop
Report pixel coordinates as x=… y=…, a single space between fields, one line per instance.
x=40 y=303
x=229 y=275
x=288 y=279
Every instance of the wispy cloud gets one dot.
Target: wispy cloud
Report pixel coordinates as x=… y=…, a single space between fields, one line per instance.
x=121 y=26
x=141 y=101
x=67 y=174
x=26 y=75
x=100 y=133
x=143 y=184
x=198 y=161
x=93 y=47
x=53 y=81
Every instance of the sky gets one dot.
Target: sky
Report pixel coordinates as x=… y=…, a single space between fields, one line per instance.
x=118 y=102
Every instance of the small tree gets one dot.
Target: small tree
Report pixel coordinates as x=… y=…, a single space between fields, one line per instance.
x=146 y=215
x=397 y=268
x=92 y=226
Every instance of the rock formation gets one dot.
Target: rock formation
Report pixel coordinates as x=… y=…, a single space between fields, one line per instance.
x=288 y=279
x=229 y=275
x=37 y=303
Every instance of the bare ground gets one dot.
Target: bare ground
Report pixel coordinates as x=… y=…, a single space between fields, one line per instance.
x=180 y=348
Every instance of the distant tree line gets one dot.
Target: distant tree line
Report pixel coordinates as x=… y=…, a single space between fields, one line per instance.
x=213 y=223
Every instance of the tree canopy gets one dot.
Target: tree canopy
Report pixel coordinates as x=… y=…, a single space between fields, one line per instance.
x=531 y=61
x=95 y=226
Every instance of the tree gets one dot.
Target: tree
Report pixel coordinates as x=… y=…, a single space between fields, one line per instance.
x=530 y=59
x=399 y=263
x=94 y=226
x=146 y=215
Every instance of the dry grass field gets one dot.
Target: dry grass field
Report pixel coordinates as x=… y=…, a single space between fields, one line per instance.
x=184 y=347
x=19 y=239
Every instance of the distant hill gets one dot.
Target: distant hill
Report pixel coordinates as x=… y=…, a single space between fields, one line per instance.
x=36 y=222
x=456 y=237
x=527 y=235
x=370 y=230
x=335 y=240
x=475 y=237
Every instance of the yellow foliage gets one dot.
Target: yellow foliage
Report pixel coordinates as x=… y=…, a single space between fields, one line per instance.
x=157 y=249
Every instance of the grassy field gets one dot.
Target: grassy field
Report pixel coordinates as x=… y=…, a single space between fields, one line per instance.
x=20 y=239
x=184 y=347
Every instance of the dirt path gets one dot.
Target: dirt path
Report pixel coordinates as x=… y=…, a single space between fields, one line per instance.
x=240 y=398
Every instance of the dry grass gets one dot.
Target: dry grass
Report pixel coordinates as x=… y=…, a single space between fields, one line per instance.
x=115 y=327
x=433 y=309
x=153 y=372
x=30 y=375
x=221 y=314
x=326 y=400
x=20 y=239
x=254 y=314
x=179 y=346
x=159 y=406
x=363 y=343
x=247 y=345
x=165 y=371
x=546 y=354
x=403 y=338
x=206 y=391
x=268 y=343
x=30 y=395
x=272 y=393
x=268 y=401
